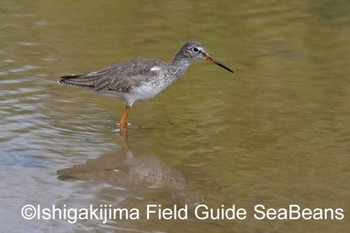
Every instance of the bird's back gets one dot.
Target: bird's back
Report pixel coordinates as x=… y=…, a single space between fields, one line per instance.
x=120 y=77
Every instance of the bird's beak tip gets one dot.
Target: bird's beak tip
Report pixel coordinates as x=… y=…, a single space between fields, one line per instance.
x=211 y=59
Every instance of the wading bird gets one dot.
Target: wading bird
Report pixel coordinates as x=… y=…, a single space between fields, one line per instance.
x=140 y=79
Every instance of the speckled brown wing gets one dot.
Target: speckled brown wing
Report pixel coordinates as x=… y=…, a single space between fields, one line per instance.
x=117 y=78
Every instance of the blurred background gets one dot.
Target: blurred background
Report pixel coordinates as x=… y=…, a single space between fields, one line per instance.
x=275 y=132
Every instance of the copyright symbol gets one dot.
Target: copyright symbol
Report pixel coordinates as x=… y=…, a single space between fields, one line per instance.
x=28 y=212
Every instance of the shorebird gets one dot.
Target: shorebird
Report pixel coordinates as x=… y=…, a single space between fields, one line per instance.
x=140 y=79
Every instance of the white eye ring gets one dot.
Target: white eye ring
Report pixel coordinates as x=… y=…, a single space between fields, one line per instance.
x=195 y=49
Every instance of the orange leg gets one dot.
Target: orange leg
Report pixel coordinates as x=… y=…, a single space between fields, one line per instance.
x=124 y=121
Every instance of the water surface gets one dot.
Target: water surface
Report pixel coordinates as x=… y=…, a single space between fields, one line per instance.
x=275 y=132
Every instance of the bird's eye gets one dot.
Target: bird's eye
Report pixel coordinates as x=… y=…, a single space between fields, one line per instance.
x=195 y=49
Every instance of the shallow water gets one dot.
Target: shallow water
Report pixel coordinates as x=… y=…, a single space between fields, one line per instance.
x=276 y=132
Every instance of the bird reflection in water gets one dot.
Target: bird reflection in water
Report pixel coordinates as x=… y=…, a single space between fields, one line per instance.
x=133 y=169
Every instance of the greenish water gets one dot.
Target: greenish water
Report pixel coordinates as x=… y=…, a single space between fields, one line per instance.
x=276 y=132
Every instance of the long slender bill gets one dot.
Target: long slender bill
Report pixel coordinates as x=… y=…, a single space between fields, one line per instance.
x=213 y=60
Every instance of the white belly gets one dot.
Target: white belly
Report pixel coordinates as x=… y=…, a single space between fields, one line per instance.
x=146 y=91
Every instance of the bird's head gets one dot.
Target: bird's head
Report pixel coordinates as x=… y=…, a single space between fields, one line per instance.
x=194 y=50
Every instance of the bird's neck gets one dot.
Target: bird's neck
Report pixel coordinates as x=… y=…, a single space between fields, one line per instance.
x=178 y=66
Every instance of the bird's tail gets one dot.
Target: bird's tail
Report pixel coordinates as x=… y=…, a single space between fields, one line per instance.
x=82 y=80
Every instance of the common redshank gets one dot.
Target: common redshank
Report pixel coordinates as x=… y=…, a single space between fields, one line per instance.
x=140 y=79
